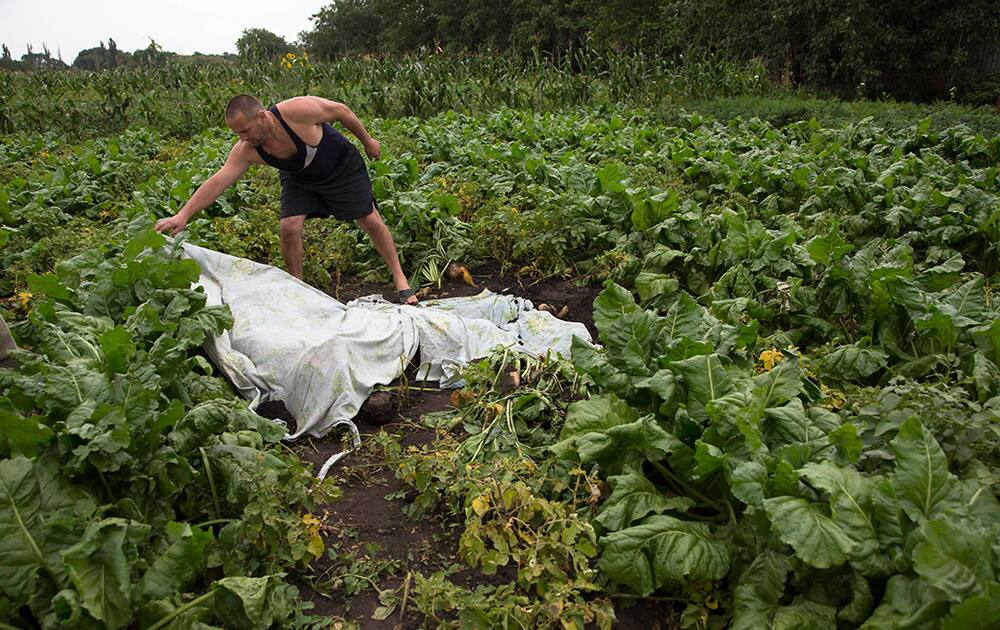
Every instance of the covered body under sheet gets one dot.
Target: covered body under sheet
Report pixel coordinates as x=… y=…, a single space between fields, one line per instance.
x=322 y=358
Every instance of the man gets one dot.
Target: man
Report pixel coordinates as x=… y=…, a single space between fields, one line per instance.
x=321 y=173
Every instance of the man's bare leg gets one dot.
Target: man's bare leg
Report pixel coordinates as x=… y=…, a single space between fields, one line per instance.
x=373 y=225
x=291 y=244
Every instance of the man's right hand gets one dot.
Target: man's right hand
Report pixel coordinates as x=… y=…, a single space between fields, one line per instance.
x=172 y=224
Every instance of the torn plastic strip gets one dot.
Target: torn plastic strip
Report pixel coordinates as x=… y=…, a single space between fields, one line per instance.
x=333 y=459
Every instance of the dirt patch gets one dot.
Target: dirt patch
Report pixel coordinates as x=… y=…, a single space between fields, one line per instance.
x=369 y=521
x=346 y=288
x=567 y=298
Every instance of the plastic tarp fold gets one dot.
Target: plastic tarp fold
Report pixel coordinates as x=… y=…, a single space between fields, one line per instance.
x=322 y=358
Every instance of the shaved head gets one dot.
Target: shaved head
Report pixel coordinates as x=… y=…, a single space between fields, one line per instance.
x=248 y=119
x=243 y=104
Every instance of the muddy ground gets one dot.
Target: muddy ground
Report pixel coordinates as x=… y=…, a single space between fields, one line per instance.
x=368 y=521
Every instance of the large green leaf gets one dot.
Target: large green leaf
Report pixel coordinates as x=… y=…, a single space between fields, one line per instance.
x=98 y=567
x=663 y=551
x=635 y=497
x=748 y=482
x=829 y=247
x=649 y=211
x=118 y=349
x=966 y=305
x=611 y=176
x=594 y=362
x=792 y=424
x=981 y=612
x=632 y=346
x=254 y=602
x=887 y=513
x=987 y=337
x=850 y=505
x=861 y=601
x=909 y=602
x=761 y=587
x=778 y=385
x=23 y=435
x=684 y=318
x=612 y=303
x=986 y=375
x=814 y=536
x=651 y=284
x=606 y=430
x=32 y=494
x=629 y=333
x=705 y=378
x=922 y=481
x=852 y=362
x=803 y=613
x=955 y=557
x=20 y=527
x=48 y=285
x=180 y=563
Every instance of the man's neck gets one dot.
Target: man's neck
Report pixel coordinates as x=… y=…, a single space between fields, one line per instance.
x=273 y=125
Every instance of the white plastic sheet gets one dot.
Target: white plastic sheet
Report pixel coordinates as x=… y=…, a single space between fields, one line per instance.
x=322 y=358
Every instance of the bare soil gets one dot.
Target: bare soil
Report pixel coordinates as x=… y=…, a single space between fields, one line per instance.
x=369 y=519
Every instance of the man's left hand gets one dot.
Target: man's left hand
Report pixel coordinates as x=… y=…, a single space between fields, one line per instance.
x=373 y=148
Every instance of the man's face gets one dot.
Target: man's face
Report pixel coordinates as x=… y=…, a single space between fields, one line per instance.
x=250 y=129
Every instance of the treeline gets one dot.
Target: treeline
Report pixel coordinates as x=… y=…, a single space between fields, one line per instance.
x=917 y=49
x=104 y=56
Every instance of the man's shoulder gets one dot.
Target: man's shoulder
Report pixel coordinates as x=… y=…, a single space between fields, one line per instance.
x=243 y=151
x=301 y=109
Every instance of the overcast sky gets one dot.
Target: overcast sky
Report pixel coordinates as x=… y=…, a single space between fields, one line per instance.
x=181 y=26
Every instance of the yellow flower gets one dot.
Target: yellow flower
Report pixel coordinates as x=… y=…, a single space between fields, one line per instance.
x=770 y=358
x=23 y=297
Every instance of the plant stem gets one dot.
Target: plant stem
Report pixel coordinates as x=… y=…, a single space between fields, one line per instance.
x=406 y=595
x=107 y=488
x=412 y=388
x=663 y=470
x=216 y=521
x=650 y=598
x=162 y=623
x=211 y=482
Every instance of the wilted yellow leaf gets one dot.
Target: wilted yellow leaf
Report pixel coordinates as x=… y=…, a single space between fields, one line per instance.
x=481 y=504
x=315 y=546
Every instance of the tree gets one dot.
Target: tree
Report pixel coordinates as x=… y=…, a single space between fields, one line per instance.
x=112 y=53
x=152 y=55
x=40 y=61
x=258 y=44
x=349 y=26
x=101 y=57
x=7 y=62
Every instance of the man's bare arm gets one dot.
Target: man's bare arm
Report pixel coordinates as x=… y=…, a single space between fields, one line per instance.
x=313 y=109
x=236 y=165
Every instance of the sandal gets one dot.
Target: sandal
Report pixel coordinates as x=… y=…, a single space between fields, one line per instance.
x=405 y=294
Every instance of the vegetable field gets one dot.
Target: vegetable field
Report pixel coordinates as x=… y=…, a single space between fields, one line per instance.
x=793 y=420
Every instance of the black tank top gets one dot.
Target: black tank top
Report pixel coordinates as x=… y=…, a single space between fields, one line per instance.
x=309 y=162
